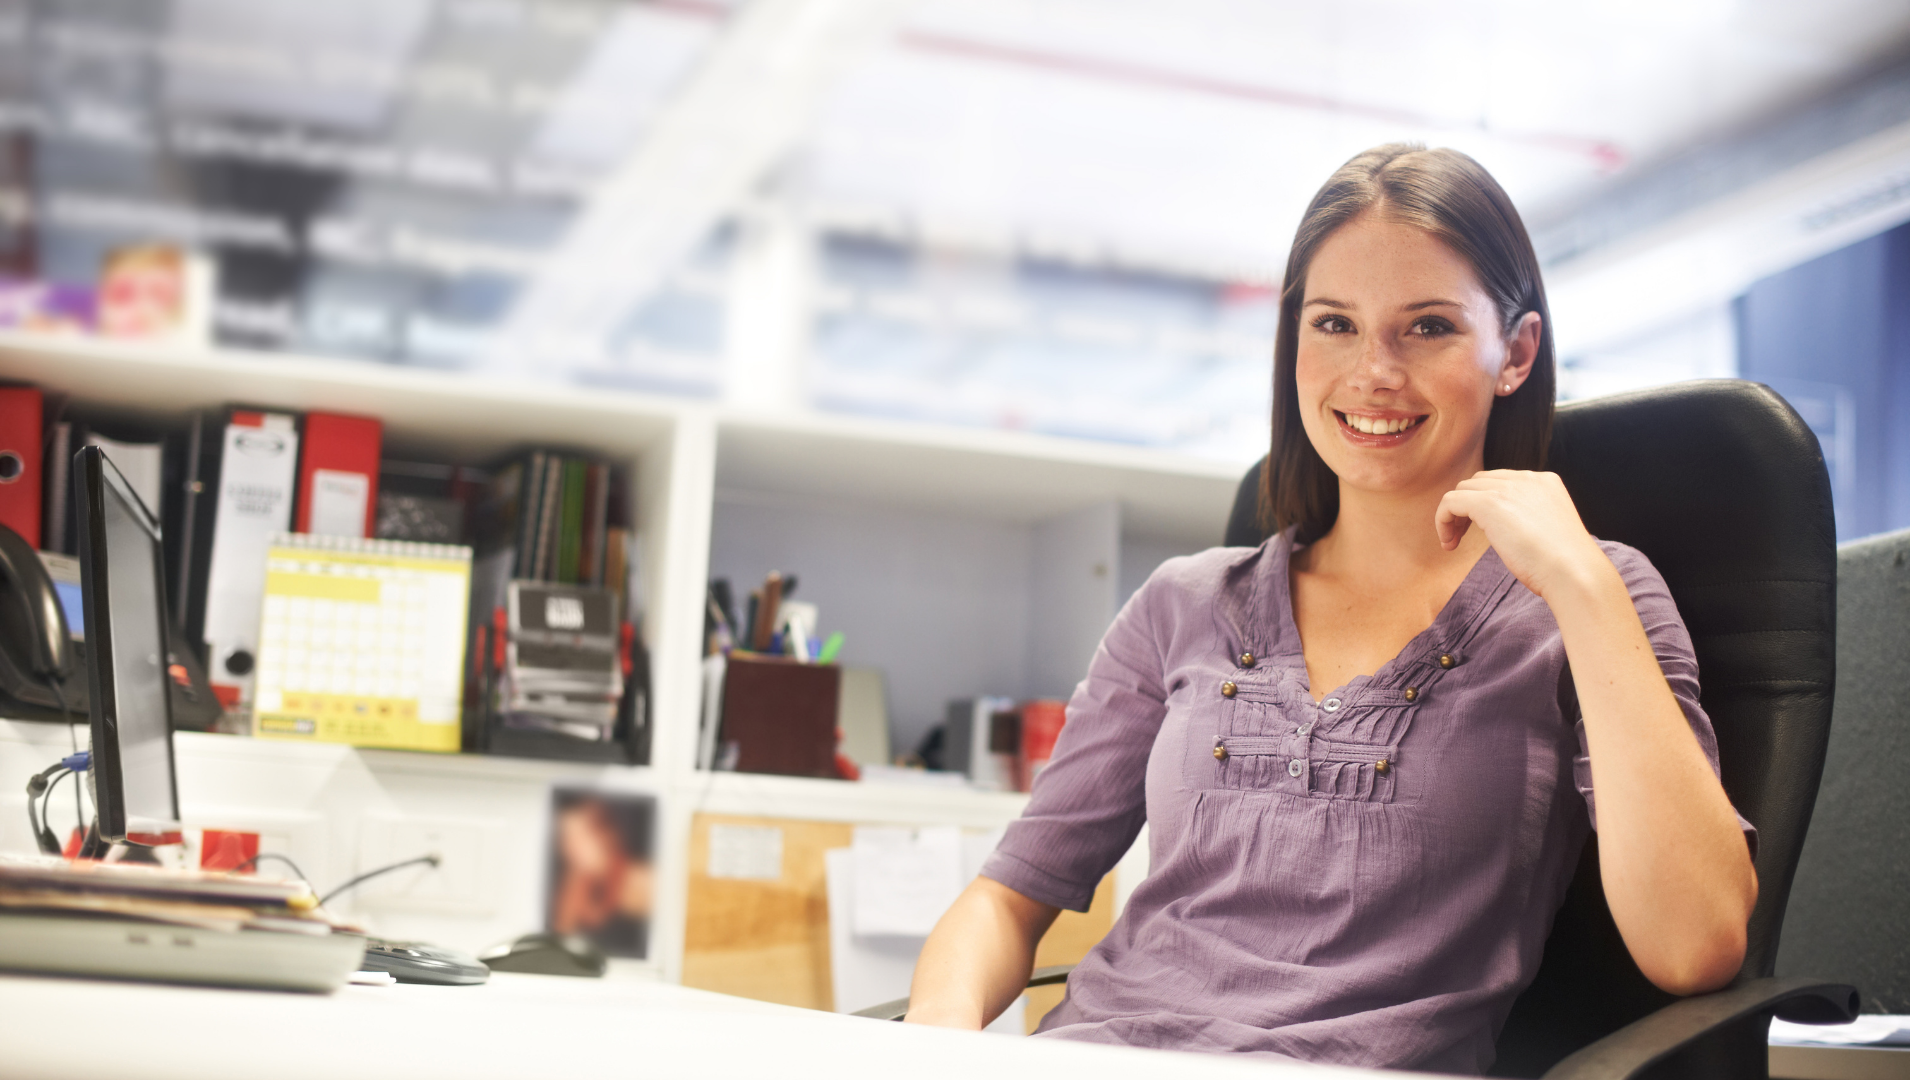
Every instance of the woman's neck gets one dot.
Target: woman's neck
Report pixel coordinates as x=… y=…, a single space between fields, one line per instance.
x=1383 y=536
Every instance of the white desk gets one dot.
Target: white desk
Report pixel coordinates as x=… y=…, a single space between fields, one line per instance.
x=521 y=1026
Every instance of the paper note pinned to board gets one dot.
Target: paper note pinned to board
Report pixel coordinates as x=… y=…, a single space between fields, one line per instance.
x=746 y=852
x=905 y=878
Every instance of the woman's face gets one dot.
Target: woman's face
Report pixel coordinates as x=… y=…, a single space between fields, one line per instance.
x=1401 y=355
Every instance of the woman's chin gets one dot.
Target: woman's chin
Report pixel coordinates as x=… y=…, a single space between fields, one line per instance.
x=1393 y=479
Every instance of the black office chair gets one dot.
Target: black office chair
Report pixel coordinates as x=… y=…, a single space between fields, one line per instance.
x=1724 y=488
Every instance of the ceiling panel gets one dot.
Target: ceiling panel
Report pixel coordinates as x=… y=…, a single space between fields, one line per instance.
x=1198 y=129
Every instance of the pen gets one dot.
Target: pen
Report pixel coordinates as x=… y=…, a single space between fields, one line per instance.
x=766 y=614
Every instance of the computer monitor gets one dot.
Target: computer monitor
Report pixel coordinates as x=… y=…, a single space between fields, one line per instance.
x=122 y=589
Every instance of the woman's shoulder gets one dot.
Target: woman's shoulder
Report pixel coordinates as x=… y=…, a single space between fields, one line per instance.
x=1634 y=566
x=1205 y=573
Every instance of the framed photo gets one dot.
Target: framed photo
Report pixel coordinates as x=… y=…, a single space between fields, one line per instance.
x=601 y=879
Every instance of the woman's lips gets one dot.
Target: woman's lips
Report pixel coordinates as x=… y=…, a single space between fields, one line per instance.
x=1380 y=436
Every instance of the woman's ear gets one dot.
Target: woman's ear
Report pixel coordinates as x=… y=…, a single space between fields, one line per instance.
x=1522 y=350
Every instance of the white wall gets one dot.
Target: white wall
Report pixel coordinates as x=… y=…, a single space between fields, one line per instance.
x=1141 y=556
x=1077 y=558
x=939 y=603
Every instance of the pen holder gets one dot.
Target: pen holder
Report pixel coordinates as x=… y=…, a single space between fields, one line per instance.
x=779 y=716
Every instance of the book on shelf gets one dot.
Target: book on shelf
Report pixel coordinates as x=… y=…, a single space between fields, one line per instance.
x=565 y=518
x=22 y=412
x=338 y=474
x=57 y=490
x=140 y=461
x=426 y=502
x=256 y=467
x=153 y=458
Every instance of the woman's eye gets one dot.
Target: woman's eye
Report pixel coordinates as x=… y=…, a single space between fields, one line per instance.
x=1333 y=324
x=1431 y=328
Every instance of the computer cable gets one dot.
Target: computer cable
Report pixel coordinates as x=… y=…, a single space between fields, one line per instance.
x=37 y=789
x=256 y=859
x=40 y=796
x=46 y=801
x=73 y=740
x=434 y=860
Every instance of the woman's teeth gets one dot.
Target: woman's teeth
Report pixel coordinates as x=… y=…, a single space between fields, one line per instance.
x=1372 y=425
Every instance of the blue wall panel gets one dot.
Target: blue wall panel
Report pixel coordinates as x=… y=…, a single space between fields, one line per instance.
x=1833 y=336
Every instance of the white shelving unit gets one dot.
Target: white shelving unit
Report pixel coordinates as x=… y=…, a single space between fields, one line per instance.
x=1001 y=515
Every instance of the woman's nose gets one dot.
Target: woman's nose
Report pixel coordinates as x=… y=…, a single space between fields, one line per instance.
x=1378 y=367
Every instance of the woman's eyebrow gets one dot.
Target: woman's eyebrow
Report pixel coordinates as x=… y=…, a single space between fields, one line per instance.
x=1432 y=303
x=1325 y=302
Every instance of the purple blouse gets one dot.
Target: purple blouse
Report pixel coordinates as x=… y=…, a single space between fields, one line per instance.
x=1366 y=880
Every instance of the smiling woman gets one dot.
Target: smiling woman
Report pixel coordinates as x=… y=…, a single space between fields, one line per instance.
x=1367 y=749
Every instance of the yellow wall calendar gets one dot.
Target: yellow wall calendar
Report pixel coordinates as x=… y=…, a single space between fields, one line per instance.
x=362 y=642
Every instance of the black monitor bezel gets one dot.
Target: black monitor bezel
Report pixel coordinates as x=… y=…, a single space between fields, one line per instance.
x=92 y=474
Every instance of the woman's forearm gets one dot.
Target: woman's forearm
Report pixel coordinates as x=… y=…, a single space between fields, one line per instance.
x=1677 y=872
x=978 y=958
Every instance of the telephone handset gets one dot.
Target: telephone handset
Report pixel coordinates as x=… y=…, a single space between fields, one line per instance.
x=32 y=623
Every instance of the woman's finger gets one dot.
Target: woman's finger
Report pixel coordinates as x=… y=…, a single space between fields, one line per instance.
x=1453 y=517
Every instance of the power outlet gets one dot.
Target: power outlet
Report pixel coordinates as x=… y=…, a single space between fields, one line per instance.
x=459 y=884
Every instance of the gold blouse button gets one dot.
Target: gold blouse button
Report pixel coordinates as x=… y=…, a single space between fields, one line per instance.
x=1220 y=753
x=1382 y=766
x=1228 y=689
x=1446 y=661
x=1412 y=693
x=1246 y=659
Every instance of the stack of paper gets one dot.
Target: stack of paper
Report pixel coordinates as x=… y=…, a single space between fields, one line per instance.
x=120 y=920
x=213 y=901
x=1864 y=1031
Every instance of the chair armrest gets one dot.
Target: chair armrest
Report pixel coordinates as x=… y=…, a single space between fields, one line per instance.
x=1632 y=1049
x=897 y=1009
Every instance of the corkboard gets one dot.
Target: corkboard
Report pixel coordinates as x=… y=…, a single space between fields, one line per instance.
x=769 y=940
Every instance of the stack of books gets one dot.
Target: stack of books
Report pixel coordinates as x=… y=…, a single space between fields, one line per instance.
x=564 y=516
x=131 y=921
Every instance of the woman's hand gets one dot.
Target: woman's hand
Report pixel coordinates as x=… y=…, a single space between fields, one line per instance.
x=1528 y=517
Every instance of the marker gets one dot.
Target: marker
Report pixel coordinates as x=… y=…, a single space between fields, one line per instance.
x=830 y=648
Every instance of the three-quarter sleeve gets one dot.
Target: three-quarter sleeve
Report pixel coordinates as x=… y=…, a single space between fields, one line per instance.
x=1671 y=642
x=1089 y=803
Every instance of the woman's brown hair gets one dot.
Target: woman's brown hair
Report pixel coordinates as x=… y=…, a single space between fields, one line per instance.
x=1450 y=196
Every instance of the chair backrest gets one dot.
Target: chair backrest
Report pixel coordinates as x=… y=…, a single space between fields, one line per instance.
x=1850 y=911
x=1724 y=488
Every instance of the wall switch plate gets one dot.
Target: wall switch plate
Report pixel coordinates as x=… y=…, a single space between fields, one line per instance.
x=460 y=884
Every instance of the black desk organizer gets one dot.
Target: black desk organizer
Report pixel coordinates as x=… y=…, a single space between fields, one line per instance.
x=485 y=731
